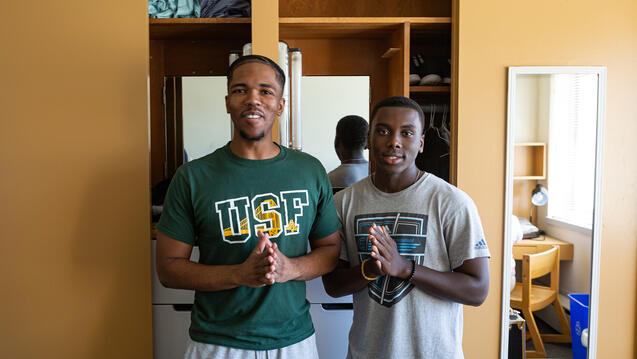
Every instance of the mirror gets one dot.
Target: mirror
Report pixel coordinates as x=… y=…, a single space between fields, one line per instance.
x=325 y=99
x=552 y=211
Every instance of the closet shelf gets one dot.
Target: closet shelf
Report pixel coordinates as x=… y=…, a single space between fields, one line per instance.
x=434 y=89
x=199 y=28
x=352 y=27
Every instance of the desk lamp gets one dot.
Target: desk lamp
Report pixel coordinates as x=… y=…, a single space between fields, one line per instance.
x=539 y=197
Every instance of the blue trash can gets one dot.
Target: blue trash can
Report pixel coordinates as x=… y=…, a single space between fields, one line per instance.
x=579 y=322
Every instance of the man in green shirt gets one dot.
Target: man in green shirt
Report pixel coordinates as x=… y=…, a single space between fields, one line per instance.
x=251 y=207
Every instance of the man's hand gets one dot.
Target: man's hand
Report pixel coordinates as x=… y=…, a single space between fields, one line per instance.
x=384 y=250
x=284 y=267
x=258 y=269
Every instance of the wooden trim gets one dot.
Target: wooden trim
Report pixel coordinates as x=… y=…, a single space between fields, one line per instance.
x=390 y=52
x=399 y=65
x=207 y=20
x=429 y=88
x=364 y=8
x=364 y=20
x=453 y=108
x=265 y=37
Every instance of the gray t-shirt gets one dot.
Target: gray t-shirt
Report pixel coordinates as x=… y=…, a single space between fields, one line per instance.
x=347 y=174
x=433 y=223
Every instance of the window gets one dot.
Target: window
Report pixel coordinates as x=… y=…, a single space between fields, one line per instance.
x=571 y=148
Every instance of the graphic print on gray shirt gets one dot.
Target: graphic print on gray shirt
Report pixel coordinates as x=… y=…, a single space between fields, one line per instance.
x=409 y=231
x=435 y=224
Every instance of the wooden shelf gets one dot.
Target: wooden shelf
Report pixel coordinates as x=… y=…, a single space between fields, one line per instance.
x=529 y=161
x=430 y=89
x=351 y=27
x=199 y=28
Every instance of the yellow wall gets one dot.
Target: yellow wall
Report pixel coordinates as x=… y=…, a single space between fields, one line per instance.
x=74 y=180
x=74 y=165
x=494 y=34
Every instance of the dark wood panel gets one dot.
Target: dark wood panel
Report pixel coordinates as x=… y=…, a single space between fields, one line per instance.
x=340 y=8
x=157 y=123
x=207 y=28
x=199 y=57
x=343 y=57
x=301 y=30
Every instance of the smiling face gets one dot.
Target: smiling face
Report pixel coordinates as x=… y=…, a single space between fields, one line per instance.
x=394 y=140
x=254 y=100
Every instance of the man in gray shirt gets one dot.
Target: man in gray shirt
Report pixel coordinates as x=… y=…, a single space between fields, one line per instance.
x=349 y=143
x=413 y=249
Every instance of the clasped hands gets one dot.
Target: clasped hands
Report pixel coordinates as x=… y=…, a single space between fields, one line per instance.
x=386 y=260
x=266 y=264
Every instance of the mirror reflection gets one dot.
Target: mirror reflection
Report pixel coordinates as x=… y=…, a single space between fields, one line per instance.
x=325 y=99
x=551 y=183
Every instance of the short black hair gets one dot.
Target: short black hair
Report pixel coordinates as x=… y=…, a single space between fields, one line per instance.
x=280 y=75
x=352 y=132
x=399 y=101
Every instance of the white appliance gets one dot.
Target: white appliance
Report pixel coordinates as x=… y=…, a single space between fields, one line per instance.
x=171 y=314
x=332 y=318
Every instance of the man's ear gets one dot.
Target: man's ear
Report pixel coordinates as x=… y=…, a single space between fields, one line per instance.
x=227 y=108
x=281 y=106
x=367 y=139
x=422 y=143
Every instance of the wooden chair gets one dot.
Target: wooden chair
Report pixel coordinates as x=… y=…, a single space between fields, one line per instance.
x=529 y=297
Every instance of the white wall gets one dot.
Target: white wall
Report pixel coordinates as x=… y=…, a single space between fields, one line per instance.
x=206 y=123
x=532 y=108
x=526 y=109
x=325 y=100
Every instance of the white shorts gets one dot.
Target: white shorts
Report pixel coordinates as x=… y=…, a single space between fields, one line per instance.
x=305 y=349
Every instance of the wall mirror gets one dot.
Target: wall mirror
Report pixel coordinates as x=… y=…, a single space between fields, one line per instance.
x=552 y=211
x=197 y=120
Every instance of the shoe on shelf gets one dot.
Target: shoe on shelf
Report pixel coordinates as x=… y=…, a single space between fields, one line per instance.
x=414 y=79
x=431 y=79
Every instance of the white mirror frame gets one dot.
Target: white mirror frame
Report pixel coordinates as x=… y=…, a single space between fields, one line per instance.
x=597 y=204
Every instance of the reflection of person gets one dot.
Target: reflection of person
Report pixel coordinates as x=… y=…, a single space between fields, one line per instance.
x=250 y=206
x=413 y=248
x=349 y=143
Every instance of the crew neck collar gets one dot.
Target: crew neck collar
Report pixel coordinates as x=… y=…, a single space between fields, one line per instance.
x=255 y=163
x=422 y=178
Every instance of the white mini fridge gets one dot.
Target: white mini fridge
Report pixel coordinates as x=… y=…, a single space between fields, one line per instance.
x=171 y=314
x=332 y=317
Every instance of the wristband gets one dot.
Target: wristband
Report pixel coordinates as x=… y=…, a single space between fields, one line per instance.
x=413 y=272
x=363 y=271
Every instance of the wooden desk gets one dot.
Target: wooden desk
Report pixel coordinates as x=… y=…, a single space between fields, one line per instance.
x=527 y=245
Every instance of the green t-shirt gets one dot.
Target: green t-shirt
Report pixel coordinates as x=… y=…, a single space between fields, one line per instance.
x=219 y=202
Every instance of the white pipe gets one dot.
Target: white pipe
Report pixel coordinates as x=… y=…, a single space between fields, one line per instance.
x=284 y=119
x=296 y=71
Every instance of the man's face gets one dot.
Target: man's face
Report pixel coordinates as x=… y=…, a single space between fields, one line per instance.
x=254 y=100
x=395 y=138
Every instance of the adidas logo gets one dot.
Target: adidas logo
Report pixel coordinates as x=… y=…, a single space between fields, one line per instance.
x=481 y=245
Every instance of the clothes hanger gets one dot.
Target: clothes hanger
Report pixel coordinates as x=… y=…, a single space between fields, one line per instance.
x=444 y=131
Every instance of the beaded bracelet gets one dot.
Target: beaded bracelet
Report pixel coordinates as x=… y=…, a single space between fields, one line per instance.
x=363 y=271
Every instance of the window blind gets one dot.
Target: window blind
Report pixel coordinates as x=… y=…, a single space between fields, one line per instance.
x=571 y=148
